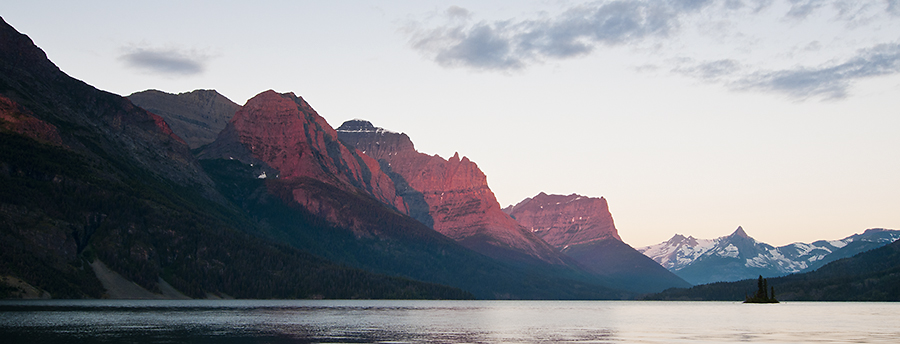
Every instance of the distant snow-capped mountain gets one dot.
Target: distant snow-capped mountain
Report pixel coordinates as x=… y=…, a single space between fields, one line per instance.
x=738 y=256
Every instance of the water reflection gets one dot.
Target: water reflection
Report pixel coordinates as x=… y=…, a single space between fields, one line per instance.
x=103 y=321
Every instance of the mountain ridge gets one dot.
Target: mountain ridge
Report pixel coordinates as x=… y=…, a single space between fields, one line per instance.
x=282 y=164
x=288 y=139
x=197 y=116
x=88 y=177
x=450 y=194
x=738 y=256
x=872 y=275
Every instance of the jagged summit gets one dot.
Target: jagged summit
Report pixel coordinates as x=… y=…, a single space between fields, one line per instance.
x=738 y=256
x=450 y=195
x=739 y=232
x=282 y=132
x=357 y=125
x=363 y=126
x=680 y=239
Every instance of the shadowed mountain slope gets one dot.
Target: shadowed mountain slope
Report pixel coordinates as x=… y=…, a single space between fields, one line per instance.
x=197 y=116
x=85 y=175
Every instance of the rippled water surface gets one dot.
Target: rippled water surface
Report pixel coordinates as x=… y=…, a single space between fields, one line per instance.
x=276 y=321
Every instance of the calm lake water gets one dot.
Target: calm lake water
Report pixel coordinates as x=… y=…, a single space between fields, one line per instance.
x=307 y=321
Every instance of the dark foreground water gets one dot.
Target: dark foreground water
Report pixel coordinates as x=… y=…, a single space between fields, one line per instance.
x=242 y=321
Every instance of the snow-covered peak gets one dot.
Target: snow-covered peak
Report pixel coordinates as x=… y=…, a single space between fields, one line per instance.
x=719 y=256
x=678 y=251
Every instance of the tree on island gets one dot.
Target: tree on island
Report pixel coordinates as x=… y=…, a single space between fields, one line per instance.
x=762 y=293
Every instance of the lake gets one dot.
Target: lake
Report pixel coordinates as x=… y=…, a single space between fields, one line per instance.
x=371 y=321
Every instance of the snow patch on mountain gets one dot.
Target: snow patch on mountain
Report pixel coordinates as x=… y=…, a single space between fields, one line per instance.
x=729 y=251
x=680 y=253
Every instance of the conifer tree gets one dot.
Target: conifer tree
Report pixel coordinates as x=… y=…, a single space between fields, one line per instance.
x=760 y=288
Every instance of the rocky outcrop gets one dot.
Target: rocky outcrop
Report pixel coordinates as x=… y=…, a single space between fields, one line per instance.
x=197 y=116
x=450 y=195
x=286 y=139
x=582 y=228
x=565 y=220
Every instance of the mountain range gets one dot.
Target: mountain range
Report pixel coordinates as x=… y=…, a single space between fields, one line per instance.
x=872 y=275
x=738 y=256
x=101 y=198
x=95 y=191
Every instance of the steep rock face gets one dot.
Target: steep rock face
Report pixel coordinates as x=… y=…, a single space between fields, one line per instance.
x=565 y=220
x=286 y=139
x=197 y=116
x=582 y=228
x=459 y=202
x=86 y=176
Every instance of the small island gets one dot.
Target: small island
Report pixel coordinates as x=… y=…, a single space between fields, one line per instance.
x=762 y=293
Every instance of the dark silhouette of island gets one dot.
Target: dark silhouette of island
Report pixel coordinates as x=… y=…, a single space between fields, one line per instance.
x=762 y=293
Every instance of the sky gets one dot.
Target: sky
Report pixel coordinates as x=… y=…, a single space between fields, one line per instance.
x=689 y=116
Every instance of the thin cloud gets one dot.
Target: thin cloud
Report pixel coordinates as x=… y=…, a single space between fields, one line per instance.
x=508 y=45
x=832 y=81
x=458 y=12
x=580 y=30
x=709 y=71
x=165 y=61
x=800 y=9
x=893 y=7
x=829 y=82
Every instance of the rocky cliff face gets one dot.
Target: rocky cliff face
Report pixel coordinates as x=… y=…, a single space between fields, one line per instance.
x=450 y=195
x=197 y=116
x=286 y=139
x=582 y=228
x=565 y=220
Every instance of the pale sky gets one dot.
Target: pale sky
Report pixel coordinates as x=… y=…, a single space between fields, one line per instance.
x=689 y=116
